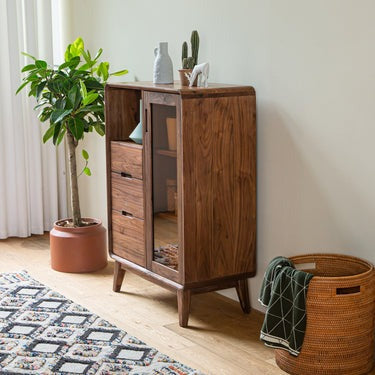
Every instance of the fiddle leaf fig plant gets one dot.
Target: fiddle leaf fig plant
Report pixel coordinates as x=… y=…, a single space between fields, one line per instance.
x=71 y=98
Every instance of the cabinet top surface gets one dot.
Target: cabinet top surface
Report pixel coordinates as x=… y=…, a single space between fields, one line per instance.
x=176 y=88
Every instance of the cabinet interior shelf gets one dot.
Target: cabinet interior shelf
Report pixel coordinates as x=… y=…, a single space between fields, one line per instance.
x=170 y=153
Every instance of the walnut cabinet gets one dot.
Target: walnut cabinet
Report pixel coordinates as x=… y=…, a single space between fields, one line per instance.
x=182 y=205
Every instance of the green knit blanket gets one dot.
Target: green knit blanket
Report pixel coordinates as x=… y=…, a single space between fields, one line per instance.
x=284 y=292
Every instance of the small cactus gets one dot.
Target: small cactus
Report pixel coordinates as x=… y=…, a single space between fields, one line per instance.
x=194 y=45
x=188 y=63
x=184 y=51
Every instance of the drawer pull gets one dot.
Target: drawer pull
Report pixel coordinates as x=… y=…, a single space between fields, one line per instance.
x=126 y=175
x=125 y=213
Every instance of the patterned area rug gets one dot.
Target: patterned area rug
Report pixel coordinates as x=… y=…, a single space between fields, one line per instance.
x=42 y=332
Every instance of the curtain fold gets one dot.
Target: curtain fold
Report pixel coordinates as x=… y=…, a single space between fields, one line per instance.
x=32 y=175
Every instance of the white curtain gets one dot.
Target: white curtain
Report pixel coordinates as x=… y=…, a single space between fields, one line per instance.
x=32 y=175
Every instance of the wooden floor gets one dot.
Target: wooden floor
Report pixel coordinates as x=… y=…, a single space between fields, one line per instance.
x=220 y=338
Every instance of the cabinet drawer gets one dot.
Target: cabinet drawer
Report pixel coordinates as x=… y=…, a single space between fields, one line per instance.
x=128 y=238
x=127 y=195
x=126 y=158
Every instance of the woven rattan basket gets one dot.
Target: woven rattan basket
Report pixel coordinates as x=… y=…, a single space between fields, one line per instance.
x=339 y=337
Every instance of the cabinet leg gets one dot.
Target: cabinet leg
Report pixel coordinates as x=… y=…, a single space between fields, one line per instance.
x=183 y=303
x=118 y=277
x=242 y=289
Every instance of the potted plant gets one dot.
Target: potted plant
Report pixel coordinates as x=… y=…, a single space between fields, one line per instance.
x=188 y=63
x=71 y=98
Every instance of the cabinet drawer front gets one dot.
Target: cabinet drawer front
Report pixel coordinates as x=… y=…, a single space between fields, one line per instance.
x=127 y=195
x=126 y=158
x=128 y=238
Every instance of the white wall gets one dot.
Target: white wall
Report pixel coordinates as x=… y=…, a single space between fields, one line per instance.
x=312 y=64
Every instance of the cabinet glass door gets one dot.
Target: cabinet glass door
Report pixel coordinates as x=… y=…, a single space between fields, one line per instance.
x=164 y=185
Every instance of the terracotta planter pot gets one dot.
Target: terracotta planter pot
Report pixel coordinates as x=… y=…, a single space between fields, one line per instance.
x=183 y=78
x=82 y=249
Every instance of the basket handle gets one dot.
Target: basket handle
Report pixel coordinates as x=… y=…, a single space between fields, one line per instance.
x=305 y=266
x=348 y=291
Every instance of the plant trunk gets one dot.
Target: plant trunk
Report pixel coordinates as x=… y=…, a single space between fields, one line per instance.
x=72 y=145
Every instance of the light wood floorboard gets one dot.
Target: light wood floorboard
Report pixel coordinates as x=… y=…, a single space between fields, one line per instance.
x=220 y=339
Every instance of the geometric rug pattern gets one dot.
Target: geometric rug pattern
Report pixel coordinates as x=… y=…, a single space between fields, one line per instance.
x=42 y=332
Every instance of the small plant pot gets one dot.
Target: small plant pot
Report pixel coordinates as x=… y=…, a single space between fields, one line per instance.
x=184 y=80
x=78 y=250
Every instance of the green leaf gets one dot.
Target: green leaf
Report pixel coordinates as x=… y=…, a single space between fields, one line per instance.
x=74 y=49
x=53 y=87
x=71 y=63
x=40 y=88
x=94 y=109
x=74 y=62
x=93 y=84
x=64 y=65
x=90 y=98
x=103 y=70
x=76 y=126
x=74 y=97
x=27 y=55
x=120 y=73
x=66 y=86
x=100 y=129
x=87 y=171
x=40 y=64
x=56 y=133
x=78 y=45
x=60 y=103
x=49 y=133
x=87 y=66
x=59 y=114
x=68 y=55
x=98 y=54
x=62 y=74
x=28 y=67
x=80 y=75
x=41 y=104
x=32 y=77
x=83 y=89
x=86 y=56
x=21 y=87
x=85 y=155
x=61 y=136
x=45 y=114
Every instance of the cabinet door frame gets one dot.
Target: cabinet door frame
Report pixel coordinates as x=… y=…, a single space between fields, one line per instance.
x=148 y=99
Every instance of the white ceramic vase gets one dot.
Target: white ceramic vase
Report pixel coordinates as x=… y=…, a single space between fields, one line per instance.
x=163 y=67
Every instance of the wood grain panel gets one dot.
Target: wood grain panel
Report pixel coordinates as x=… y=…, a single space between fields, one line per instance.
x=127 y=195
x=127 y=158
x=245 y=182
x=234 y=185
x=219 y=162
x=128 y=238
x=197 y=188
